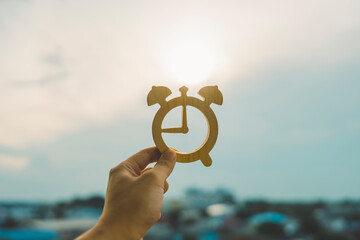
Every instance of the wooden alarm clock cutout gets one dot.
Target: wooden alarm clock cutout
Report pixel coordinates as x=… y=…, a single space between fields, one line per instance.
x=210 y=94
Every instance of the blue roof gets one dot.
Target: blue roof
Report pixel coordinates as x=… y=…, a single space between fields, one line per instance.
x=28 y=234
x=272 y=217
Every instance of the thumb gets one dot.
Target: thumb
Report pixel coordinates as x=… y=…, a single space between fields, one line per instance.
x=165 y=164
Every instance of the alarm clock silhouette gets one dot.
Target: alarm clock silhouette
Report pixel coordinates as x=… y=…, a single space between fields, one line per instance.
x=210 y=94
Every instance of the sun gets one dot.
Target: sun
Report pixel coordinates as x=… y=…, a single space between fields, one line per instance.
x=190 y=60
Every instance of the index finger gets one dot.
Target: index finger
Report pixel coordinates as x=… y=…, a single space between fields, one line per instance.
x=140 y=160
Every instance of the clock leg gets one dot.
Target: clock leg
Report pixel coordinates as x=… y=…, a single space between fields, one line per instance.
x=206 y=160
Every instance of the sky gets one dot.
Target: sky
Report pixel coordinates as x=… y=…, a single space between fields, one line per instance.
x=74 y=76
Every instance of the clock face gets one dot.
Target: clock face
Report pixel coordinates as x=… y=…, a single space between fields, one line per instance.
x=197 y=126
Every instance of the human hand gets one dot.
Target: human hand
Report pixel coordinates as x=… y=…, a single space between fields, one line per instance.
x=134 y=196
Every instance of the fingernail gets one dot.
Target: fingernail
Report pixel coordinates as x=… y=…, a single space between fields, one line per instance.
x=170 y=155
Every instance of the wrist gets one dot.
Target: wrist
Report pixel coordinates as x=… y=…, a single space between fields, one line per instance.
x=107 y=232
x=114 y=229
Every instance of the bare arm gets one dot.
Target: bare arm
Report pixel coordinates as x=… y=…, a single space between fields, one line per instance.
x=134 y=196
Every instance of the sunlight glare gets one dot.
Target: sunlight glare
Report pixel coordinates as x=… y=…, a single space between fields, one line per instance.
x=190 y=60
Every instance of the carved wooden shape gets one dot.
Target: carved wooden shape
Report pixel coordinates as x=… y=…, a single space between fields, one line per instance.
x=210 y=94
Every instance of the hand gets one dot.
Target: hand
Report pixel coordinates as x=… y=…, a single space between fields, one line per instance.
x=134 y=196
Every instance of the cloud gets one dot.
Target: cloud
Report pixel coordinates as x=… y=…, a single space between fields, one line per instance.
x=10 y=162
x=71 y=65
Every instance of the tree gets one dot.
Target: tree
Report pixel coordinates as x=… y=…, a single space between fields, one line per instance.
x=271 y=229
x=310 y=225
x=332 y=236
x=9 y=223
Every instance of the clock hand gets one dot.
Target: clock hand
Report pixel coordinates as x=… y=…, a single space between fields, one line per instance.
x=173 y=130
x=184 y=120
x=184 y=127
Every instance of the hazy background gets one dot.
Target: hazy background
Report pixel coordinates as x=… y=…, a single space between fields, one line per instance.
x=74 y=76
